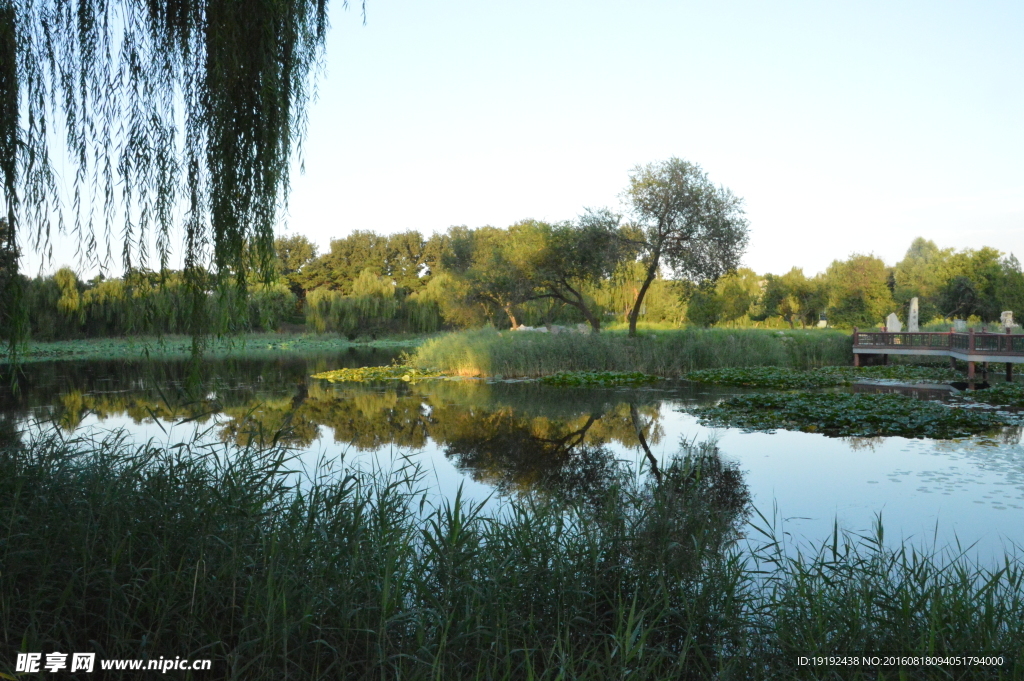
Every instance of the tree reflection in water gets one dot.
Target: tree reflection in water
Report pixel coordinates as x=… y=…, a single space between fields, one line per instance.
x=521 y=438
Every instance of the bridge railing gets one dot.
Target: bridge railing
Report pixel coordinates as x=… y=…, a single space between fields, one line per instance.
x=904 y=339
x=981 y=342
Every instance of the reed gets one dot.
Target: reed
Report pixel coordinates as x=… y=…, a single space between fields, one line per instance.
x=231 y=554
x=487 y=352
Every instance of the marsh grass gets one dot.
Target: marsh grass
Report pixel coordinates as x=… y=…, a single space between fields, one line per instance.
x=525 y=354
x=238 y=556
x=252 y=345
x=856 y=595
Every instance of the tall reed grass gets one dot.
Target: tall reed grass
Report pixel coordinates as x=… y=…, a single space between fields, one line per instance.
x=487 y=352
x=229 y=554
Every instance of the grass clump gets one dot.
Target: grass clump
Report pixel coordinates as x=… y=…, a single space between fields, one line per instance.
x=599 y=379
x=524 y=354
x=180 y=347
x=854 y=595
x=226 y=554
x=394 y=372
x=853 y=415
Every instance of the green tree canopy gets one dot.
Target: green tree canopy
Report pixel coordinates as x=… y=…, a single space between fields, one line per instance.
x=575 y=257
x=683 y=222
x=858 y=291
x=496 y=264
x=922 y=273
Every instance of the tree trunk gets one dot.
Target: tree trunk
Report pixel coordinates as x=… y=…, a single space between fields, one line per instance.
x=511 y=316
x=588 y=314
x=595 y=321
x=652 y=272
x=638 y=426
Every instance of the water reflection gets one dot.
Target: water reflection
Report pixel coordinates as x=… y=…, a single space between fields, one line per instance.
x=515 y=437
x=511 y=436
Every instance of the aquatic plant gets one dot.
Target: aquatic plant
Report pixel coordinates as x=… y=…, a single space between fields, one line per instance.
x=783 y=378
x=525 y=354
x=394 y=372
x=602 y=379
x=780 y=378
x=897 y=372
x=844 y=414
x=1008 y=394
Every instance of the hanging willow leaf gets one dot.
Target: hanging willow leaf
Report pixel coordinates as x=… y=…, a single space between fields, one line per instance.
x=172 y=112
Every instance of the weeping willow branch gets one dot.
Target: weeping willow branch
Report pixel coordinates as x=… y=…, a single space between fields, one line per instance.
x=172 y=113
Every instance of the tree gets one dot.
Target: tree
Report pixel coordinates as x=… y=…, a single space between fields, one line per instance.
x=575 y=256
x=293 y=253
x=172 y=104
x=738 y=292
x=684 y=222
x=496 y=264
x=794 y=297
x=704 y=307
x=923 y=272
x=858 y=288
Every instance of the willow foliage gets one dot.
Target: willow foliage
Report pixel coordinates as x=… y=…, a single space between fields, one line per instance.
x=172 y=112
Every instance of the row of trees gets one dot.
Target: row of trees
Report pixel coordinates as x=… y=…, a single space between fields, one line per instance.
x=531 y=272
x=862 y=290
x=63 y=307
x=681 y=224
x=673 y=261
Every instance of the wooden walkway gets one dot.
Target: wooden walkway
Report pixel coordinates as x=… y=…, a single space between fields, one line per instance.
x=970 y=347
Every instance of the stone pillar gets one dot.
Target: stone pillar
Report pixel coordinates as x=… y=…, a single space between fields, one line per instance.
x=913 y=324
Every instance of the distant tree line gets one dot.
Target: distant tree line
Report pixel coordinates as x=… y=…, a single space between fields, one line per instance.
x=672 y=260
x=861 y=291
x=585 y=271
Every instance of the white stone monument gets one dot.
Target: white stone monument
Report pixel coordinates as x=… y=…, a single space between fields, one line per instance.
x=1006 y=319
x=912 y=318
x=959 y=325
x=893 y=324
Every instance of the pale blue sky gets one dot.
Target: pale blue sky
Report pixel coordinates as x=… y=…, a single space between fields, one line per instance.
x=846 y=127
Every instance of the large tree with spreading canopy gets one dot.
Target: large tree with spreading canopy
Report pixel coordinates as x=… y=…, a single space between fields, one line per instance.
x=683 y=222
x=172 y=113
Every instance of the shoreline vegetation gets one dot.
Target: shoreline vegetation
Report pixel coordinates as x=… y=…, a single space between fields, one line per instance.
x=224 y=553
x=513 y=354
x=180 y=347
x=670 y=354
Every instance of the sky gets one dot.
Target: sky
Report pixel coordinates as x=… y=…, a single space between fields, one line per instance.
x=846 y=127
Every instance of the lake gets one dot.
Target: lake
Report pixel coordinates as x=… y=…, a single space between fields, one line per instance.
x=499 y=438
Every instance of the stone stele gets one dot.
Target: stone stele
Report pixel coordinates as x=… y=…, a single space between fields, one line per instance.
x=912 y=321
x=1006 y=319
x=892 y=323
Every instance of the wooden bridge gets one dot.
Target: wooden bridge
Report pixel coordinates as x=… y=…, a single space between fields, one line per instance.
x=971 y=347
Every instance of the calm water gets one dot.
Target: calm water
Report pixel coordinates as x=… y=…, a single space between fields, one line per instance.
x=496 y=438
